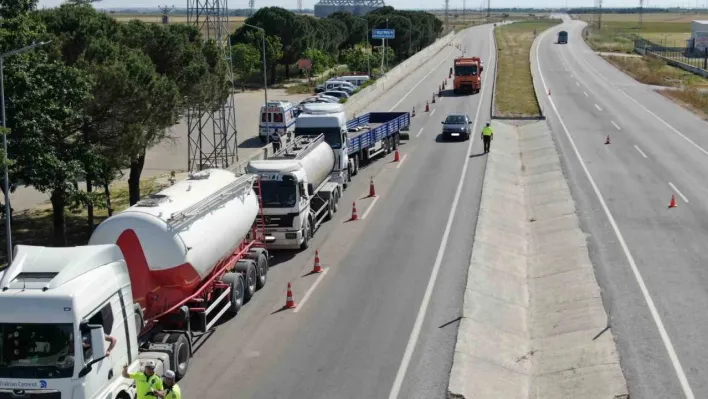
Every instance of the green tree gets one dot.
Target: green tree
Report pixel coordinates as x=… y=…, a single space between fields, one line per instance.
x=320 y=60
x=245 y=59
x=15 y=8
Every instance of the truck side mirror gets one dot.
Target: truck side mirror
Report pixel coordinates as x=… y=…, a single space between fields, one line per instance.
x=98 y=346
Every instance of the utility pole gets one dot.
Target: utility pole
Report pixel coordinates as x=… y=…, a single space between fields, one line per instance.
x=599 y=16
x=447 y=12
x=464 y=10
x=641 y=13
x=489 y=8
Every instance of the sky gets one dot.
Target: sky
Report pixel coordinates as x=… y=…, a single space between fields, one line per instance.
x=422 y=4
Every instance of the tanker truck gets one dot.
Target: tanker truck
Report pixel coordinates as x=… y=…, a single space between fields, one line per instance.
x=300 y=190
x=157 y=277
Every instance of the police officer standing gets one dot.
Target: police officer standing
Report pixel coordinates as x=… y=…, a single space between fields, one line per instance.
x=145 y=381
x=487 y=137
x=172 y=390
x=275 y=139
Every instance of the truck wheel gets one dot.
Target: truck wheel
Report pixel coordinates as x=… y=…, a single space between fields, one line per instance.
x=330 y=206
x=262 y=267
x=180 y=354
x=247 y=268
x=394 y=142
x=235 y=280
x=336 y=202
x=306 y=235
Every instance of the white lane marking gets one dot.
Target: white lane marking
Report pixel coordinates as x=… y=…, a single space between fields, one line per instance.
x=673 y=129
x=630 y=259
x=433 y=69
x=371 y=206
x=683 y=197
x=586 y=94
x=419 y=132
x=418 y=325
x=432 y=112
x=401 y=161
x=615 y=125
x=598 y=107
x=440 y=99
x=577 y=84
x=309 y=292
x=641 y=152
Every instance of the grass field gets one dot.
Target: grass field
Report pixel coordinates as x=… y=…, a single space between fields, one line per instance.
x=514 y=92
x=34 y=227
x=618 y=30
x=234 y=22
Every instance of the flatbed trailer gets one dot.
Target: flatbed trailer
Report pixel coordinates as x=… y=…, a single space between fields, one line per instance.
x=373 y=134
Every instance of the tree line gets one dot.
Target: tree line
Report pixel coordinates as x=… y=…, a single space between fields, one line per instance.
x=341 y=38
x=88 y=103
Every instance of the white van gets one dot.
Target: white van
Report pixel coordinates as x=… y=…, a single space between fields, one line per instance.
x=278 y=117
x=356 y=80
x=336 y=84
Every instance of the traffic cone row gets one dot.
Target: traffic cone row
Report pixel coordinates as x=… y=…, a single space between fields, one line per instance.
x=433 y=98
x=427 y=107
x=607 y=141
x=355 y=216
x=413 y=113
x=372 y=190
x=549 y=91
x=397 y=157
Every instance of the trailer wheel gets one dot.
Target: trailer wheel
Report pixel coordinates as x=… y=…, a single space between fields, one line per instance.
x=262 y=268
x=335 y=206
x=330 y=208
x=235 y=280
x=250 y=274
x=306 y=234
x=181 y=354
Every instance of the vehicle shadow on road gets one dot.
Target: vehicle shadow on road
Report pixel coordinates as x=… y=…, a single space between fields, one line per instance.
x=280 y=257
x=252 y=142
x=477 y=155
x=439 y=139
x=448 y=93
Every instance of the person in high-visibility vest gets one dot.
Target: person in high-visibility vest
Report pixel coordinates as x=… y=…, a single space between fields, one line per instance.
x=145 y=381
x=487 y=137
x=172 y=390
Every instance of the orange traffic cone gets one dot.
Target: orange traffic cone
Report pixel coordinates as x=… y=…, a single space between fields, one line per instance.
x=549 y=92
x=355 y=216
x=372 y=191
x=318 y=267
x=607 y=141
x=397 y=157
x=672 y=204
x=289 y=302
x=427 y=107
x=413 y=113
x=433 y=98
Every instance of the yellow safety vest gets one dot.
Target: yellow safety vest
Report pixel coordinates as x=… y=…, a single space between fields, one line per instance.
x=145 y=384
x=175 y=393
x=487 y=131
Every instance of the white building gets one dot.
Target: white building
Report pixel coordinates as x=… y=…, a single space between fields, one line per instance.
x=699 y=33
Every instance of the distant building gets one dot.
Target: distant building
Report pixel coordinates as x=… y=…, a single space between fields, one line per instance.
x=356 y=7
x=699 y=35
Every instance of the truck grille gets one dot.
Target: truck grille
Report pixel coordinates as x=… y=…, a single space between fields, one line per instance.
x=273 y=221
x=31 y=394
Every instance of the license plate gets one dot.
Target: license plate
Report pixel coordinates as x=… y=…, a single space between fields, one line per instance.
x=456 y=134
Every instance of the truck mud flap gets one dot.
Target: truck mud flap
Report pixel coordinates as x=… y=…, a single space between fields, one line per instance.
x=404 y=135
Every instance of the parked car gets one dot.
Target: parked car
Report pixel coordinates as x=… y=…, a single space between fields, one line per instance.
x=328 y=98
x=457 y=126
x=337 y=93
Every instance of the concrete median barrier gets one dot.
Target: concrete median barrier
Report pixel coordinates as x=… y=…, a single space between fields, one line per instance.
x=357 y=103
x=533 y=323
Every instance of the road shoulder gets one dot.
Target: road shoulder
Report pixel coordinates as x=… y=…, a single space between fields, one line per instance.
x=533 y=322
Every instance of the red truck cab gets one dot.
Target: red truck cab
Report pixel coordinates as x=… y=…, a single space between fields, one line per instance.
x=468 y=75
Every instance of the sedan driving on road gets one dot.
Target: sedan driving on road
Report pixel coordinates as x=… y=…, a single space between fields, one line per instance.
x=456 y=126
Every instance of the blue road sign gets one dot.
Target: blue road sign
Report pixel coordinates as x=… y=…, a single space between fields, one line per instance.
x=383 y=33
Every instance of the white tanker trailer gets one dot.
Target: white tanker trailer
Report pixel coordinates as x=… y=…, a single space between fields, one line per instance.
x=299 y=189
x=156 y=276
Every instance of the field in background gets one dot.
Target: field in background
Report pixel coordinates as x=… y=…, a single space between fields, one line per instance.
x=618 y=30
x=514 y=92
x=234 y=22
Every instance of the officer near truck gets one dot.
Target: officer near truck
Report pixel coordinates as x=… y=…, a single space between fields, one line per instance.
x=145 y=381
x=487 y=135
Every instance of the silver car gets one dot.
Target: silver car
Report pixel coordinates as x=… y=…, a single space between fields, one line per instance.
x=456 y=126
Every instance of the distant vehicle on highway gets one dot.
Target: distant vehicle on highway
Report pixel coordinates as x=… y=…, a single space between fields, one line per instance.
x=562 y=37
x=457 y=126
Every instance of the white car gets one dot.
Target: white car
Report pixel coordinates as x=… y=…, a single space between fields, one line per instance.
x=337 y=93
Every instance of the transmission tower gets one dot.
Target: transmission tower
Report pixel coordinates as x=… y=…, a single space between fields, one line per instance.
x=299 y=6
x=489 y=8
x=641 y=13
x=598 y=11
x=212 y=129
x=447 y=13
x=464 y=11
x=166 y=10
x=251 y=6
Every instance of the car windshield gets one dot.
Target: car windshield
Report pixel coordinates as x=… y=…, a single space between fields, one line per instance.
x=36 y=350
x=455 y=120
x=465 y=70
x=278 y=194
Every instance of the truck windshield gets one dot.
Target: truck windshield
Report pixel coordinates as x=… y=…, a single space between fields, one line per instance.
x=333 y=135
x=36 y=350
x=465 y=70
x=278 y=194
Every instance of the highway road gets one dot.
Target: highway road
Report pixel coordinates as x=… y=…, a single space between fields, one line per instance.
x=383 y=317
x=650 y=260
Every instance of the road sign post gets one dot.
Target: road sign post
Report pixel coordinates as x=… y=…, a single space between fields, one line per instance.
x=383 y=34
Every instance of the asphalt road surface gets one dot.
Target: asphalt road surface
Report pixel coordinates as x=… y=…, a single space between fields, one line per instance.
x=357 y=323
x=650 y=260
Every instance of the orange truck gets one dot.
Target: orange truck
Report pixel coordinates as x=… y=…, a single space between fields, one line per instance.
x=468 y=75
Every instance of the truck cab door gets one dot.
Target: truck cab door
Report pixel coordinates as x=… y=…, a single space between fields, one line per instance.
x=344 y=152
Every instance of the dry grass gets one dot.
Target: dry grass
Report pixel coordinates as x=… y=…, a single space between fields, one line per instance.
x=234 y=22
x=618 y=31
x=514 y=92
x=34 y=227
x=654 y=71
x=690 y=98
